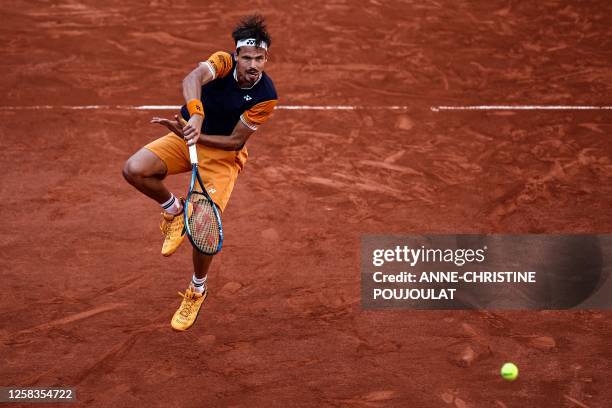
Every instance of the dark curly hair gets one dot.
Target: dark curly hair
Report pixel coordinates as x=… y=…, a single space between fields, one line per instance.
x=253 y=26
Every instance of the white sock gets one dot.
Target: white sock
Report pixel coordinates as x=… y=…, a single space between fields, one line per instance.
x=172 y=206
x=199 y=285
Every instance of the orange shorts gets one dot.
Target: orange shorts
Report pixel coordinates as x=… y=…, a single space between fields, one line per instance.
x=218 y=168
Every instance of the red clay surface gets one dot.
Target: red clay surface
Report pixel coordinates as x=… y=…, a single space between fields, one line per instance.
x=87 y=298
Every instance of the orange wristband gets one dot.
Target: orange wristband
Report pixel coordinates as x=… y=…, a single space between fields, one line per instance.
x=195 y=107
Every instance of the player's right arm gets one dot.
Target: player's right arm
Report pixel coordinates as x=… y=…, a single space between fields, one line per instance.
x=218 y=65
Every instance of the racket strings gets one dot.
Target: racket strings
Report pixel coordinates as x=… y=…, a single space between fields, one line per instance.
x=203 y=224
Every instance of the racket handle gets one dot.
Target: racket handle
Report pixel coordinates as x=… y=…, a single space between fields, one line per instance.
x=193 y=154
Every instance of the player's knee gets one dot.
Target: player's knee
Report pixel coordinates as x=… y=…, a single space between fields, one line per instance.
x=132 y=170
x=141 y=165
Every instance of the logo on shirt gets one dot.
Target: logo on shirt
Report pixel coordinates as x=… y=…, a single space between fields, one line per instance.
x=247 y=98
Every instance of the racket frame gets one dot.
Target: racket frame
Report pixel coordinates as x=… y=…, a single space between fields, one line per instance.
x=195 y=176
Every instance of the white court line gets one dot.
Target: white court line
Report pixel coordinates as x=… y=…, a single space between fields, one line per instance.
x=320 y=107
x=340 y=107
x=176 y=107
x=519 y=107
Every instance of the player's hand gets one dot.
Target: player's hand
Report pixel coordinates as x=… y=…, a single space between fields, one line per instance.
x=174 y=126
x=191 y=131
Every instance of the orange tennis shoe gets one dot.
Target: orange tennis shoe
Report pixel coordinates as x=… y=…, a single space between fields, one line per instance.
x=173 y=229
x=187 y=313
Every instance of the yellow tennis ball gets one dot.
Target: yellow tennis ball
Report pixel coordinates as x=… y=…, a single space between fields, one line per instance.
x=509 y=372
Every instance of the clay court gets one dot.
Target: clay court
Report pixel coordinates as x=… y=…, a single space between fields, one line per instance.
x=88 y=299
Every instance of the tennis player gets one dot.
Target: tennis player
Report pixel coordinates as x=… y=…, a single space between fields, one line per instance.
x=227 y=97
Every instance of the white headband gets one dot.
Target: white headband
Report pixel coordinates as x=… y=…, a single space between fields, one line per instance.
x=250 y=42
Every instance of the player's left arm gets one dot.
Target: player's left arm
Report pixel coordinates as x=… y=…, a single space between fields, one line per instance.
x=249 y=122
x=238 y=138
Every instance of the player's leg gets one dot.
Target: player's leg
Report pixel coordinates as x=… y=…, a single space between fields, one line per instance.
x=219 y=171
x=195 y=294
x=146 y=169
x=201 y=263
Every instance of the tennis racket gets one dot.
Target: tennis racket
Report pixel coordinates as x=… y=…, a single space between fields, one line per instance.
x=202 y=220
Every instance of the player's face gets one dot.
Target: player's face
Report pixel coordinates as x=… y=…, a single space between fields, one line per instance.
x=251 y=61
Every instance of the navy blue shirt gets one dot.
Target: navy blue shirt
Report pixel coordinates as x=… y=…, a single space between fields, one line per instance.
x=224 y=102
